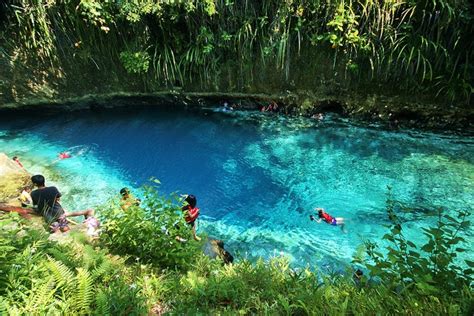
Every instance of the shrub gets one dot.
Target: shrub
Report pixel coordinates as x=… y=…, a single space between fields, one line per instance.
x=135 y=62
x=148 y=232
x=42 y=277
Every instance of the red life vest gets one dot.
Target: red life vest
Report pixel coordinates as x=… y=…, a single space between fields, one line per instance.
x=64 y=155
x=191 y=214
x=328 y=218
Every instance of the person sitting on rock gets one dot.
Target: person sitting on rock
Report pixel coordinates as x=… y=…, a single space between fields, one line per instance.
x=191 y=213
x=128 y=199
x=46 y=202
x=25 y=197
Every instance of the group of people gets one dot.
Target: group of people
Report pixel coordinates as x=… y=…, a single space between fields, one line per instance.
x=272 y=107
x=45 y=201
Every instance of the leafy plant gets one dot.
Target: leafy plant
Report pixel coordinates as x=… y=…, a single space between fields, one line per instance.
x=43 y=277
x=152 y=232
x=135 y=62
x=432 y=269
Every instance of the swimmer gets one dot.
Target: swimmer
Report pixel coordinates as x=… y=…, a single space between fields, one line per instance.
x=224 y=108
x=318 y=116
x=272 y=107
x=64 y=155
x=322 y=215
x=227 y=108
x=17 y=161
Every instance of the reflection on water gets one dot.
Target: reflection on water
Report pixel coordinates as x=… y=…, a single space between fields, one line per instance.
x=257 y=176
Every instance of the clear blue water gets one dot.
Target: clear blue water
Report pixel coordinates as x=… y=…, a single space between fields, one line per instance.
x=257 y=177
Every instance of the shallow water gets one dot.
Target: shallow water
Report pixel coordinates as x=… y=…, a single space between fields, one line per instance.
x=256 y=176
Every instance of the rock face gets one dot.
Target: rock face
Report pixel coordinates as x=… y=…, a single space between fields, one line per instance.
x=12 y=179
x=215 y=249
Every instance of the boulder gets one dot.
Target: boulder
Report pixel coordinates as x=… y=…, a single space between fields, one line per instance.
x=214 y=248
x=12 y=180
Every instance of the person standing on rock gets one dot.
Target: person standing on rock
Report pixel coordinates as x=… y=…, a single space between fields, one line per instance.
x=191 y=213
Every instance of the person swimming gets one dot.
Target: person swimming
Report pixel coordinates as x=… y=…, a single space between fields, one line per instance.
x=17 y=161
x=322 y=215
x=64 y=155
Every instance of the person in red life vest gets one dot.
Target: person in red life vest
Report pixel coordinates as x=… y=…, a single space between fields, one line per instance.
x=64 y=155
x=191 y=213
x=15 y=159
x=322 y=215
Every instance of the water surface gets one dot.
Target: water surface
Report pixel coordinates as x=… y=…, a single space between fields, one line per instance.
x=257 y=176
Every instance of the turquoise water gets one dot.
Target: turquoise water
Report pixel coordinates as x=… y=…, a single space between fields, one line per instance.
x=256 y=176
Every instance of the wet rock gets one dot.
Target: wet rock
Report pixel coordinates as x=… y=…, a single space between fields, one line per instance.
x=214 y=248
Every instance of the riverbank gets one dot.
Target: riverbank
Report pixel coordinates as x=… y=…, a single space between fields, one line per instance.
x=390 y=112
x=111 y=275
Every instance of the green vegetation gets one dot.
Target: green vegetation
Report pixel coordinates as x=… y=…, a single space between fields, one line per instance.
x=58 y=48
x=78 y=276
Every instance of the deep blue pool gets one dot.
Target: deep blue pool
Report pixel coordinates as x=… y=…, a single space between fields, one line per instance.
x=256 y=176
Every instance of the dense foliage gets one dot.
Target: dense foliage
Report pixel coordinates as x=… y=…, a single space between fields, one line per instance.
x=152 y=232
x=40 y=277
x=246 y=46
x=78 y=276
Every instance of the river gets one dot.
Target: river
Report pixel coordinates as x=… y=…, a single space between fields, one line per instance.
x=257 y=176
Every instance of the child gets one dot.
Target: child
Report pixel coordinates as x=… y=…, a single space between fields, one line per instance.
x=322 y=215
x=25 y=197
x=92 y=224
x=192 y=213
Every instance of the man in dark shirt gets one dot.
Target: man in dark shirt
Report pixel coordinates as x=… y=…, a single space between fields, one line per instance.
x=46 y=202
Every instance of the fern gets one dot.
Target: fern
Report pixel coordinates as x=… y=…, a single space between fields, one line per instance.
x=101 y=303
x=40 y=297
x=61 y=255
x=85 y=291
x=3 y=306
x=91 y=257
x=104 y=270
x=61 y=273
